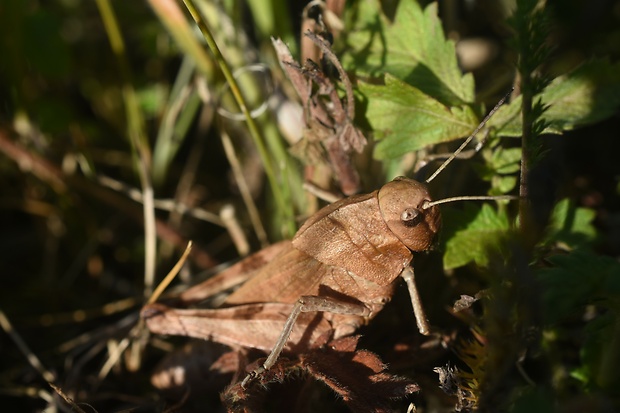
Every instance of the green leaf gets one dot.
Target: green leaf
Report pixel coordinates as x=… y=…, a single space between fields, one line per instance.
x=587 y=95
x=506 y=160
x=575 y=280
x=500 y=168
x=405 y=119
x=469 y=233
x=502 y=184
x=570 y=225
x=412 y=48
x=499 y=161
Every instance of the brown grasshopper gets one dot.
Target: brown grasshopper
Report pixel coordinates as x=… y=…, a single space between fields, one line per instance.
x=334 y=276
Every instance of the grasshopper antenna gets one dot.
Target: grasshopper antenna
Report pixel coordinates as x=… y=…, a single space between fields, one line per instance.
x=429 y=204
x=468 y=140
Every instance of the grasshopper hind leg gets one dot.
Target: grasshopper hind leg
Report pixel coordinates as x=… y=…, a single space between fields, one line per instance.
x=305 y=304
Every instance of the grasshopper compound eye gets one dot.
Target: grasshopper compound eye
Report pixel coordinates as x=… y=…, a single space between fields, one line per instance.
x=409 y=216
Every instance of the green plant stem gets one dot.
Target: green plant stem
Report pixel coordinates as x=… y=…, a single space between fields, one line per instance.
x=526 y=136
x=285 y=207
x=138 y=140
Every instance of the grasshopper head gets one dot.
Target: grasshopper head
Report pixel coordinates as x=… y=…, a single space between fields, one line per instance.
x=403 y=207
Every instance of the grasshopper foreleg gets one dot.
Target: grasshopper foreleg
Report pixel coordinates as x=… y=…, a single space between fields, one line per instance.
x=420 y=315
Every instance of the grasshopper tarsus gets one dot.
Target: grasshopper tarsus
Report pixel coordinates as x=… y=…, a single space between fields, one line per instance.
x=252 y=376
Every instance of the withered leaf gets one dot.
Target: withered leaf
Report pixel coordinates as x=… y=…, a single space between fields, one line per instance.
x=328 y=120
x=359 y=377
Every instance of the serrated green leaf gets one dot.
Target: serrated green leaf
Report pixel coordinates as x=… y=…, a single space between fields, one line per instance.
x=570 y=225
x=412 y=48
x=586 y=95
x=405 y=119
x=470 y=232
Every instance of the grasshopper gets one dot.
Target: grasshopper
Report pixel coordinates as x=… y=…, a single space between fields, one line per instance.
x=335 y=275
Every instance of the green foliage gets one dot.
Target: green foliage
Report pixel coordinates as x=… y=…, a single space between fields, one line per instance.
x=570 y=226
x=531 y=24
x=405 y=119
x=471 y=233
x=577 y=279
x=425 y=98
x=411 y=47
x=584 y=96
x=500 y=168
